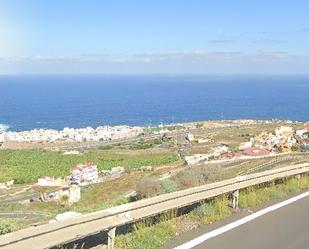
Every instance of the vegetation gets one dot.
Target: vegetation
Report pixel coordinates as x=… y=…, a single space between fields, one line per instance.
x=211 y=211
x=147 y=187
x=145 y=144
x=255 y=196
x=151 y=236
x=25 y=166
x=169 y=185
x=9 y=225
x=5 y=227
x=105 y=147
x=146 y=236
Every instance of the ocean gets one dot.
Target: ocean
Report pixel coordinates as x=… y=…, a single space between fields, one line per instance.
x=28 y=102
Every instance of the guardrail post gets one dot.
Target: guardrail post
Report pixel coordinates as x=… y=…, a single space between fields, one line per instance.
x=111 y=238
x=235 y=196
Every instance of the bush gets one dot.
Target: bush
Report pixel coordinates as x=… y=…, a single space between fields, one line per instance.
x=211 y=211
x=105 y=147
x=296 y=148
x=197 y=176
x=147 y=187
x=169 y=186
x=5 y=228
x=209 y=173
x=189 y=179
x=147 y=237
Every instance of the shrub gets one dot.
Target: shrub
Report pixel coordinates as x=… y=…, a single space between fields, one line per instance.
x=189 y=179
x=147 y=237
x=105 y=147
x=209 y=173
x=5 y=228
x=296 y=148
x=147 y=187
x=169 y=186
x=211 y=211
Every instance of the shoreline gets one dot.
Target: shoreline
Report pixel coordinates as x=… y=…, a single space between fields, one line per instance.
x=7 y=128
x=111 y=133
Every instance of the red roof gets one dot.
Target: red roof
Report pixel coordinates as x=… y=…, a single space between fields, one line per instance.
x=82 y=166
x=254 y=151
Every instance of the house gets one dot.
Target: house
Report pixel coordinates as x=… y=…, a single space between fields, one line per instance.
x=254 y=151
x=204 y=140
x=117 y=171
x=301 y=133
x=220 y=150
x=190 y=137
x=6 y=185
x=190 y=160
x=47 y=181
x=245 y=145
x=72 y=192
x=84 y=173
x=3 y=186
x=286 y=131
x=1 y=139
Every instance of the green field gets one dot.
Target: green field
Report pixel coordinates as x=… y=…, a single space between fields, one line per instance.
x=25 y=166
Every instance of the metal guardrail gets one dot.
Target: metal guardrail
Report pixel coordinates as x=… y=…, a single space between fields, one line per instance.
x=49 y=235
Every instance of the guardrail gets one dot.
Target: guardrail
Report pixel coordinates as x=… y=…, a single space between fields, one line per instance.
x=49 y=235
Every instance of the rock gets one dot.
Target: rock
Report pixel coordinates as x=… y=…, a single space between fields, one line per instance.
x=67 y=215
x=71 y=152
x=117 y=171
x=146 y=168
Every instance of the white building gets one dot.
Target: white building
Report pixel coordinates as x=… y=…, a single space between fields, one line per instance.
x=196 y=158
x=47 y=181
x=190 y=137
x=84 y=173
x=1 y=138
x=220 y=150
x=301 y=133
x=73 y=193
x=286 y=131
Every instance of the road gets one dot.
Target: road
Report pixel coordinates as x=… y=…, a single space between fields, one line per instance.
x=284 y=228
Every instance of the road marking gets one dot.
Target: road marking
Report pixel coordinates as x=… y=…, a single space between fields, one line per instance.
x=228 y=227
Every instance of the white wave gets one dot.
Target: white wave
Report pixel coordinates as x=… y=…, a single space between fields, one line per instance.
x=4 y=127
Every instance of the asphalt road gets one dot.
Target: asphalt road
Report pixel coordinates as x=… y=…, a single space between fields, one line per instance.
x=284 y=228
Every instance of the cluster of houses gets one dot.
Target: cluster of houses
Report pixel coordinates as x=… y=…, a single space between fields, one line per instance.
x=82 y=175
x=285 y=139
x=101 y=133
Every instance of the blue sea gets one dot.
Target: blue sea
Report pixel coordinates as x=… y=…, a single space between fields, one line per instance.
x=28 y=102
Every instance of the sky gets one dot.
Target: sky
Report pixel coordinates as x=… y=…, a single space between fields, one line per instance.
x=154 y=36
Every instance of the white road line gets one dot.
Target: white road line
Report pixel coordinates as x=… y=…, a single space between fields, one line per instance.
x=226 y=228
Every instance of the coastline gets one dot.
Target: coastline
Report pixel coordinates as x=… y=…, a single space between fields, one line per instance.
x=110 y=133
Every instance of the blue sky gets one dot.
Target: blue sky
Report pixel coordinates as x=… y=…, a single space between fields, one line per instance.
x=158 y=36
